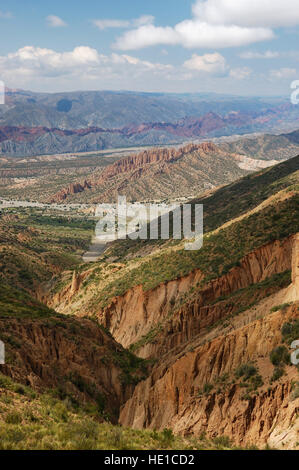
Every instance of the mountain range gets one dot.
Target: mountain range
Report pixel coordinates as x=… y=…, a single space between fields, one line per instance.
x=41 y=123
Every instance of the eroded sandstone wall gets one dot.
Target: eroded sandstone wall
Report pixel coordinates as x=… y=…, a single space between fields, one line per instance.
x=170 y=396
x=133 y=315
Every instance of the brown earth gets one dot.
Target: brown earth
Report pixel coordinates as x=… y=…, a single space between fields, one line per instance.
x=170 y=397
x=190 y=358
x=158 y=173
x=133 y=315
x=75 y=356
x=192 y=351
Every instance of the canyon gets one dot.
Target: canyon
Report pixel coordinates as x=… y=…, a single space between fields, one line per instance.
x=189 y=358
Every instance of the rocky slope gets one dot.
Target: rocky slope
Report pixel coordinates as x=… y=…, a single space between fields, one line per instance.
x=207 y=333
x=195 y=378
x=159 y=173
x=206 y=324
x=171 y=396
x=266 y=147
x=134 y=315
x=75 y=357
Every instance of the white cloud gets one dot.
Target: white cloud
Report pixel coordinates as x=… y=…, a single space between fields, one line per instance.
x=209 y=63
x=44 y=60
x=218 y=24
x=215 y=65
x=259 y=55
x=283 y=73
x=192 y=34
x=241 y=73
x=250 y=13
x=31 y=63
x=142 y=20
x=55 y=21
x=112 y=23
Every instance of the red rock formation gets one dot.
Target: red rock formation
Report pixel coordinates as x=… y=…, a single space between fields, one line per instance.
x=149 y=157
x=135 y=165
x=133 y=315
x=73 y=188
x=170 y=396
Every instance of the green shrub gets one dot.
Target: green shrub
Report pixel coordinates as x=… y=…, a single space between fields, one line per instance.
x=277 y=374
x=167 y=437
x=222 y=441
x=279 y=356
x=295 y=391
x=207 y=388
x=256 y=382
x=280 y=307
x=246 y=371
x=290 y=331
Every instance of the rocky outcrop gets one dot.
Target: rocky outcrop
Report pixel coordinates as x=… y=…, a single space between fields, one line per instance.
x=76 y=282
x=149 y=157
x=132 y=316
x=295 y=266
x=189 y=358
x=136 y=166
x=293 y=291
x=73 y=188
x=170 y=396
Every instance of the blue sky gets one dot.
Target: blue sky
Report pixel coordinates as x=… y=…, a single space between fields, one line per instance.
x=247 y=47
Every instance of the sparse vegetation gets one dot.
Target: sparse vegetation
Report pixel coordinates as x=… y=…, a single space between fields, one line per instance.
x=251 y=380
x=282 y=307
x=43 y=422
x=42 y=248
x=290 y=331
x=221 y=251
x=280 y=356
x=277 y=374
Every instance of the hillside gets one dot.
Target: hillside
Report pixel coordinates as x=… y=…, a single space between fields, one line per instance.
x=266 y=147
x=157 y=174
x=226 y=204
x=31 y=421
x=74 y=358
x=139 y=173
x=108 y=109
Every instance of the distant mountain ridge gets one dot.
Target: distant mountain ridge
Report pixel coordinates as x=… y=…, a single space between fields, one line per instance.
x=267 y=147
x=41 y=123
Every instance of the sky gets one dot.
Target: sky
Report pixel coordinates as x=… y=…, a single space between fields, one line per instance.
x=240 y=47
